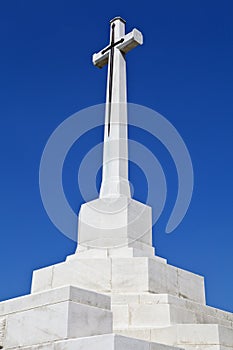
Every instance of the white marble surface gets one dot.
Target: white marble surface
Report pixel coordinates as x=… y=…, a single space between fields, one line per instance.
x=200 y=336
x=95 y=274
x=2 y=330
x=156 y=310
x=54 y=315
x=115 y=223
x=101 y=342
x=109 y=275
x=52 y=296
x=194 y=334
x=115 y=156
x=132 y=249
x=138 y=311
x=172 y=280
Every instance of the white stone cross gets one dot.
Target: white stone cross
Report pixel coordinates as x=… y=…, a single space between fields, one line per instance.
x=115 y=156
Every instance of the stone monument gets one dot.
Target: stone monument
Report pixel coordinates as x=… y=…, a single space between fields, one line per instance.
x=114 y=293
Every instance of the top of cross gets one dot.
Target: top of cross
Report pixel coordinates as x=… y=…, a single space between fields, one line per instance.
x=117 y=17
x=131 y=40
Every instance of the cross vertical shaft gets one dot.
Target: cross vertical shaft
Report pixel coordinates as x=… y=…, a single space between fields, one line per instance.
x=115 y=154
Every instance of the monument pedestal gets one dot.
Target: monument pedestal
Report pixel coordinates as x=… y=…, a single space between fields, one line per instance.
x=114 y=223
x=114 y=303
x=150 y=299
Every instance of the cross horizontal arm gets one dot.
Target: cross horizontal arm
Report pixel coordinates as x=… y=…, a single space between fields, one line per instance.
x=131 y=40
x=99 y=59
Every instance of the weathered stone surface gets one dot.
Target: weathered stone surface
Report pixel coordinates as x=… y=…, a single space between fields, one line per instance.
x=132 y=249
x=2 y=330
x=194 y=335
x=93 y=274
x=156 y=310
x=200 y=335
x=53 y=315
x=52 y=296
x=110 y=275
x=115 y=223
x=101 y=342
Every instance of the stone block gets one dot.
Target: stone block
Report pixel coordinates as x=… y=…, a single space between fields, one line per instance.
x=169 y=279
x=42 y=279
x=162 y=278
x=53 y=296
x=193 y=334
x=2 y=330
x=128 y=275
x=125 y=298
x=121 y=316
x=114 y=222
x=135 y=249
x=55 y=315
x=137 y=333
x=148 y=274
x=148 y=315
x=191 y=286
x=187 y=337
x=91 y=274
x=156 y=310
x=100 y=342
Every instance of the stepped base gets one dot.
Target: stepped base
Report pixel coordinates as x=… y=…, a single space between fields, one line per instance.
x=150 y=299
x=146 y=301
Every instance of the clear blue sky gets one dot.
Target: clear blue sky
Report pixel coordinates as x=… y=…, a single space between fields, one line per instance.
x=184 y=71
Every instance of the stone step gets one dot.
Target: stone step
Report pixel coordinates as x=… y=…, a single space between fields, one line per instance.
x=187 y=336
x=132 y=249
x=101 y=342
x=125 y=316
x=148 y=309
x=54 y=296
x=121 y=275
x=58 y=314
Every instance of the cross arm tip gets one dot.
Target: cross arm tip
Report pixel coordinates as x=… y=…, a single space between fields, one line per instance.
x=138 y=37
x=131 y=40
x=99 y=60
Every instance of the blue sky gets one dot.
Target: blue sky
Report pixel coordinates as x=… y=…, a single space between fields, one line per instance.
x=184 y=71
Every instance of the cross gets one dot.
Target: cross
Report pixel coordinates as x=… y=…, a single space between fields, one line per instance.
x=115 y=163
x=124 y=44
